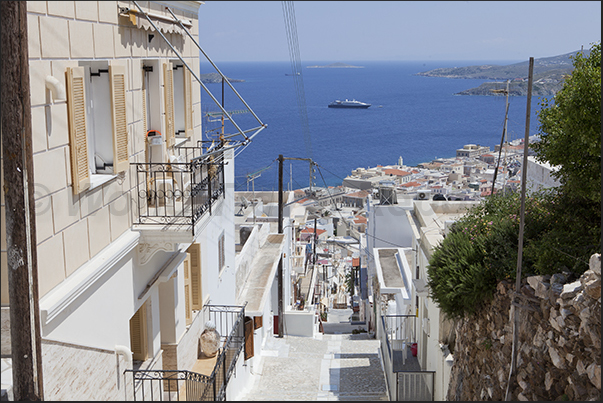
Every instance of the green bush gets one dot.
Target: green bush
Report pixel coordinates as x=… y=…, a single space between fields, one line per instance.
x=481 y=248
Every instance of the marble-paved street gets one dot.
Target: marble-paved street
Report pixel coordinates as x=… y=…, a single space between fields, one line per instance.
x=336 y=365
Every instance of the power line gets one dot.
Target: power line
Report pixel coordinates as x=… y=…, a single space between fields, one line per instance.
x=291 y=30
x=345 y=222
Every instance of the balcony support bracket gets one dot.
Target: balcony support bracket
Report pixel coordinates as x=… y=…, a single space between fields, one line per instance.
x=153 y=241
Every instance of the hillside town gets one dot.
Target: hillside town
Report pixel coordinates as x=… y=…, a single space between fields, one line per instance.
x=133 y=270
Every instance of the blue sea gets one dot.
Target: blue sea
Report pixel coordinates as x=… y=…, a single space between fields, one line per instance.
x=413 y=117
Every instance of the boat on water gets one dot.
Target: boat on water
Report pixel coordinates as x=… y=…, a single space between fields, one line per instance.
x=296 y=74
x=349 y=104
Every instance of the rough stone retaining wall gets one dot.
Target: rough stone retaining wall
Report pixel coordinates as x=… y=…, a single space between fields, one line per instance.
x=559 y=349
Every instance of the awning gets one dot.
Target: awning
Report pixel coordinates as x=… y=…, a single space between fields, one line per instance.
x=420 y=287
x=164 y=24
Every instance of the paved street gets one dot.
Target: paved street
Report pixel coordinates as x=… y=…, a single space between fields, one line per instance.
x=336 y=365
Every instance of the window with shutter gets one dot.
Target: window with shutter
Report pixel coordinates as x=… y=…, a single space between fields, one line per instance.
x=195 y=270
x=78 y=136
x=183 y=100
x=168 y=83
x=98 y=124
x=187 y=290
x=138 y=334
x=120 y=124
x=152 y=106
x=188 y=104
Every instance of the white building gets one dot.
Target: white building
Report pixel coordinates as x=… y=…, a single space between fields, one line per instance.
x=540 y=175
x=400 y=237
x=135 y=231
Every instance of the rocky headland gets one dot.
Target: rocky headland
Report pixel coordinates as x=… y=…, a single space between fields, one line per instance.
x=549 y=73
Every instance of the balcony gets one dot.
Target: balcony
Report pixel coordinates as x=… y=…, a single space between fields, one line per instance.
x=172 y=198
x=406 y=380
x=179 y=385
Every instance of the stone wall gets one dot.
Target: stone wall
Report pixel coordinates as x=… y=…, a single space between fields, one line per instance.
x=82 y=373
x=559 y=349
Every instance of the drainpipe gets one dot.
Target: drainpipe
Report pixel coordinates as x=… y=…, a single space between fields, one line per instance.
x=57 y=89
x=127 y=354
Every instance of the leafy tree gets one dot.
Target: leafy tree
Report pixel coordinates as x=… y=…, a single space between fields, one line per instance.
x=570 y=129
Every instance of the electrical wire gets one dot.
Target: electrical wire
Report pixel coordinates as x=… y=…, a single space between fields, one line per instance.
x=348 y=224
x=291 y=30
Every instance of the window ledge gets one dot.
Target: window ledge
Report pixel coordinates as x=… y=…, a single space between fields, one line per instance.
x=97 y=180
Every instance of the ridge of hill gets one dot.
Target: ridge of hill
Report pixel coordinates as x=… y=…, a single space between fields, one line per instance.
x=549 y=73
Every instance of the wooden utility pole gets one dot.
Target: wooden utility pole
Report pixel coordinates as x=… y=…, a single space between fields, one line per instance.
x=516 y=303
x=281 y=205
x=280 y=260
x=502 y=138
x=26 y=350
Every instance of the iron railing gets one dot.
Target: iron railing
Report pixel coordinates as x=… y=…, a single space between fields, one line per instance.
x=178 y=193
x=179 y=385
x=401 y=330
x=406 y=381
x=415 y=385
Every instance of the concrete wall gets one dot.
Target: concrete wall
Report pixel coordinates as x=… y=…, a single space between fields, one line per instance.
x=300 y=323
x=540 y=175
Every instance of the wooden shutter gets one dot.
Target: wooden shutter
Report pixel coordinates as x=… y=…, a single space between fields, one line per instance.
x=78 y=135
x=188 y=104
x=168 y=84
x=187 y=290
x=248 y=331
x=195 y=270
x=144 y=103
x=145 y=123
x=138 y=334
x=117 y=76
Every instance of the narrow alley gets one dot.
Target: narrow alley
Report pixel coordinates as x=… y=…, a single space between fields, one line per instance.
x=336 y=365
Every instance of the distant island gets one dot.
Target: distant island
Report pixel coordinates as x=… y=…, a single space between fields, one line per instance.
x=336 y=66
x=549 y=73
x=214 y=78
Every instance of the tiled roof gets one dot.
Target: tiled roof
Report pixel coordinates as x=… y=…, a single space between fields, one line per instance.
x=360 y=194
x=310 y=230
x=411 y=184
x=397 y=172
x=359 y=219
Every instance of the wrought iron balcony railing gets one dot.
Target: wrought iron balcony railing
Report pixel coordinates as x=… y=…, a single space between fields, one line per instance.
x=179 y=385
x=178 y=193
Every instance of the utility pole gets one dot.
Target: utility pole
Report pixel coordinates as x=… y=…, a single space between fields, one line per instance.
x=502 y=138
x=516 y=303
x=280 y=231
x=26 y=350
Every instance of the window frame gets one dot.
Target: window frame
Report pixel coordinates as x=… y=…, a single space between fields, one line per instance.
x=81 y=117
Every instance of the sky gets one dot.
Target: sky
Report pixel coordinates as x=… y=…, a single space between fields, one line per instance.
x=340 y=31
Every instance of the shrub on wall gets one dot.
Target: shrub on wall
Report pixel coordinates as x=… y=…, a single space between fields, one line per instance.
x=481 y=248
